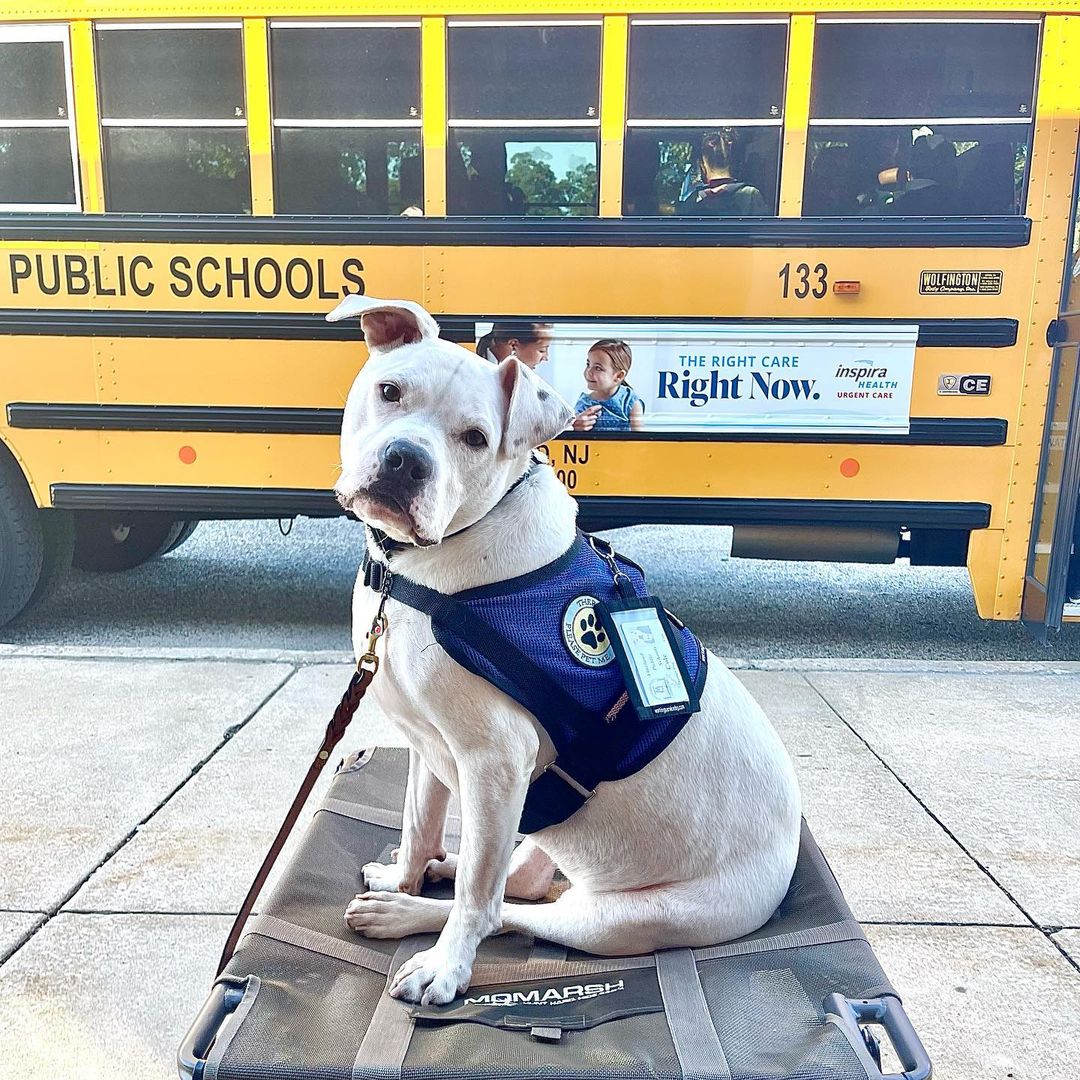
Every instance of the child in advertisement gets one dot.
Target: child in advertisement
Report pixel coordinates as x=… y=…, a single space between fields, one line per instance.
x=610 y=403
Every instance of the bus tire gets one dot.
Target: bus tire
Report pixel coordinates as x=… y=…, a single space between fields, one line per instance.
x=109 y=541
x=58 y=548
x=22 y=544
x=186 y=528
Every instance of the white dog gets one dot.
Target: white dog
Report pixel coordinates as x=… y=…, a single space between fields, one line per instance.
x=696 y=848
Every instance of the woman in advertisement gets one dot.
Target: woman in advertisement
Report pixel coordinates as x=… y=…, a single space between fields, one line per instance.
x=528 y=341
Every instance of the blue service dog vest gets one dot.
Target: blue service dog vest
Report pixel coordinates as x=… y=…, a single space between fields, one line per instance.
x=536 y=638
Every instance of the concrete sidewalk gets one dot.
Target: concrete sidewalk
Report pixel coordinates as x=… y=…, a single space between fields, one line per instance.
x=141 y=789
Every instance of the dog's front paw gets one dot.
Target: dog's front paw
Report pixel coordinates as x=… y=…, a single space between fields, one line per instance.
x=379 y=877
x=430 y=978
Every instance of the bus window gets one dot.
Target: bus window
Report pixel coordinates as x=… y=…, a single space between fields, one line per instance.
x=524 y=106
x=172 y=117
x=37 y=138
x=704 y=117
x=920 y=118
x=346 y=103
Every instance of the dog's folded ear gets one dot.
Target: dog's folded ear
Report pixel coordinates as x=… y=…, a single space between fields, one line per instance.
x=387 y=324
x=534 y=412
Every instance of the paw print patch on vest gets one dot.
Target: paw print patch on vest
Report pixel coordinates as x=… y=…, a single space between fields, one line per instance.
x=583 y=634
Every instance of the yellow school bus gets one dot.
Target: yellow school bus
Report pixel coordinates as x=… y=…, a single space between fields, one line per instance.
x=838 y=242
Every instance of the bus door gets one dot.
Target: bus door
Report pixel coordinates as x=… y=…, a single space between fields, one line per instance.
x=1052 y=585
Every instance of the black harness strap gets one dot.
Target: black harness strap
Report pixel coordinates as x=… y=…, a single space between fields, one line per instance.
x=586 y=745
x=449 y=617
x=555 y=794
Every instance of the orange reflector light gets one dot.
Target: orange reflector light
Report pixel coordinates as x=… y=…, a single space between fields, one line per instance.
x=846 y=287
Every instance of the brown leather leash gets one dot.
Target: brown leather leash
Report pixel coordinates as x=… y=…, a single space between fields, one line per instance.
x=366 y=667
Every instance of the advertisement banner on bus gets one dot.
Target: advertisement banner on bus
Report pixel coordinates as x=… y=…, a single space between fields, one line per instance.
x=735 y=377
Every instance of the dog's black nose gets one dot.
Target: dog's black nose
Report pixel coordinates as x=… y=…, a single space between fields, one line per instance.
x=405 y=463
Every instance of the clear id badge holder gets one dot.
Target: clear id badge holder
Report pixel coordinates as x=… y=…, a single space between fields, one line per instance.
x=646 y=648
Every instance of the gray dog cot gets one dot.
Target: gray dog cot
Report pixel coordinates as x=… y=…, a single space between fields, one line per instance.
x=303 y=997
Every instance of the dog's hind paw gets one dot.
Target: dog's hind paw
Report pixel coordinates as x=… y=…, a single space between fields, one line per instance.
x=380 y=877
x=395 y=915
x=443 y=869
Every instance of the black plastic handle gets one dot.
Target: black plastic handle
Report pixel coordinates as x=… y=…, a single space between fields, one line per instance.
x=887 y=1011
x=223 y=999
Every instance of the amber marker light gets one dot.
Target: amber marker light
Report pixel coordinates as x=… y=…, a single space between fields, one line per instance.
x=846 y=288
x=187 y=455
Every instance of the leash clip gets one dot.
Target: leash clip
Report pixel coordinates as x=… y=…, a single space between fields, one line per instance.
x=619 y=576
x=369 y=661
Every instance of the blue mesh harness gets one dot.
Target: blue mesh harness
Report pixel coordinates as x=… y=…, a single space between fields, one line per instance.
x=518 y=635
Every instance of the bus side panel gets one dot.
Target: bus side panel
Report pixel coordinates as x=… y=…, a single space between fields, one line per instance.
x=208 y=371
x=37 y=369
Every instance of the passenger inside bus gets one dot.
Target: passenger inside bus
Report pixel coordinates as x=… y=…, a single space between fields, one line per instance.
x=912 y=173
x=662 y=170
x=834 y=183
x=718 y=192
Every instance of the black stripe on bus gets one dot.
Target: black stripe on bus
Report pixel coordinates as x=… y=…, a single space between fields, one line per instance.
x=869 y=232
x=241 y=502
x=933 y=333
x=210 y=502
x=609 y=512
x=241 y=419
x=297 y=326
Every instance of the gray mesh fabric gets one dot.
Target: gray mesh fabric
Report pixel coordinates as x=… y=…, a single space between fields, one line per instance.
x=308 y=1019
x=315 y=1000
x=767 y=1009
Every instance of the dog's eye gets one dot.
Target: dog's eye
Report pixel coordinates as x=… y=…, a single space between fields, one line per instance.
x=475 y=438
x=389 y=391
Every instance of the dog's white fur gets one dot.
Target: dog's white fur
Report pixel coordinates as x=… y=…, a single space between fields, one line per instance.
x=695 y=849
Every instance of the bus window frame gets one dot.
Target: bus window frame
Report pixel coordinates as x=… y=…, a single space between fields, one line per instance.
x=230 y=123
x=711 y=123
x=355 y=124
x=589 y=124
x=886 y=19
x=15 y=33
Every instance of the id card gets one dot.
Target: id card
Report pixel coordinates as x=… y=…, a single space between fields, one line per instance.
x=650 y=657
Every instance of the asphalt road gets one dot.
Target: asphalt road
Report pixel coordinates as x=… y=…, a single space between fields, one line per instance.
x=244 y=585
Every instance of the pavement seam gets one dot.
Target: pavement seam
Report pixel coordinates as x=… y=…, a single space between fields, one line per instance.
x=228 y=735
x=315 y=657
x=136 y=911
x=941 y=825
x=217 y=656
x=966 y=925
